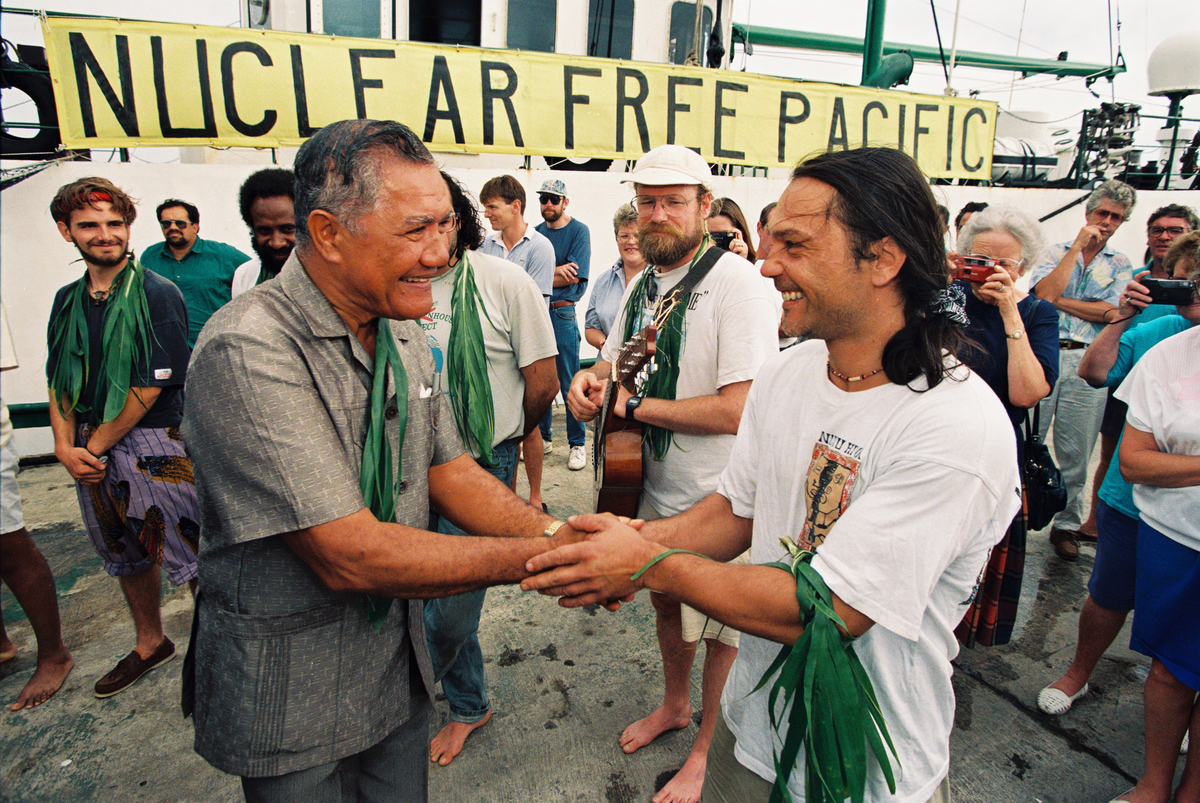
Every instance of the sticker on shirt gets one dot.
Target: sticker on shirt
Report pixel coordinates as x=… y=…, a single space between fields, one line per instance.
x=832 y=473
x=162 y=374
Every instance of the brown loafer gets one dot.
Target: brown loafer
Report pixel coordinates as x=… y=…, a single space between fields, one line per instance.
x=132 y=667
x=1066 y=546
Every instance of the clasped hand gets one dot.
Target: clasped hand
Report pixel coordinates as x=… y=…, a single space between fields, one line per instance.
x=597 y=569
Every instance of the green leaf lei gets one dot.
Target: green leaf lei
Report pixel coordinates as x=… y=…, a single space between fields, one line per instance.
x=836 y=715
x=466 y=365
x=377 y=481
x=126 y=329
x=663 y=381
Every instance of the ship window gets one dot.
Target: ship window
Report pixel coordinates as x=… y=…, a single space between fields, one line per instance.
x=351 y=18
x=448 y=22
x=683 y=31
x=610 y=29
x=531 y=25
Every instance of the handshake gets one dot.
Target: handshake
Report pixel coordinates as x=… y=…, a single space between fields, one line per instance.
x=602 y=562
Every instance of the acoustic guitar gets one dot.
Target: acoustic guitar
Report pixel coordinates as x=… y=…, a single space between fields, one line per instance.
x=617 y=445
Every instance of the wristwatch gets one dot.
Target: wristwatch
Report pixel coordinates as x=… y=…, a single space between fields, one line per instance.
x=1017 y=335
x=631 y=405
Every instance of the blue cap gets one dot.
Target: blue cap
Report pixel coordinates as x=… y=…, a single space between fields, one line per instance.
x=554 y=187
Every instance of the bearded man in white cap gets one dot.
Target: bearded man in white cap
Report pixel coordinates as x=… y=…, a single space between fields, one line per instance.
x=708 y=352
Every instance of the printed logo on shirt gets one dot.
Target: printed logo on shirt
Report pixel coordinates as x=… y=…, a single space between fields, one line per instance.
x=162 y=374
x=832 y=472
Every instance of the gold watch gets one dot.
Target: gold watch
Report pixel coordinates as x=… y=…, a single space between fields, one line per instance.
x=553 y=527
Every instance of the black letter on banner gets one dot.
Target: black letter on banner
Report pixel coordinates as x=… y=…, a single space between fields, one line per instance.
x=231 y=112
x=673 y=105
x=918 y=129
x=786 y=119
x=900 y=136
x=490 y=96
x=838 y=120
x=635 y=103
x=440 y=82
x=570 y=99
x=302 y=126
x=84 y=61
x=950 y=140
x=973 y=112
x=722 y=111
x=870 y=107
x=360 y=83
x=209 y=129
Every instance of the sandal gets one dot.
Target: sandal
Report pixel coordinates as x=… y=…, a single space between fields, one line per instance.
x=1055 y=702
x=1066 y=546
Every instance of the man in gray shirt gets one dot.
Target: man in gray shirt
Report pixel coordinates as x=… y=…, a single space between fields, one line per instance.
x=311 y=669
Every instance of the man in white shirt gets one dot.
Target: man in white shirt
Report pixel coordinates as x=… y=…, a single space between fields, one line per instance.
x=727 y=328
x=867 y=444
x=267 y=202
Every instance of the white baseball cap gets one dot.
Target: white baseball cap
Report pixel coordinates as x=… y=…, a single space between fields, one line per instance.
x=670 y=164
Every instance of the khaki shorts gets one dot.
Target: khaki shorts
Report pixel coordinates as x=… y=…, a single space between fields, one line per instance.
x=697 y=625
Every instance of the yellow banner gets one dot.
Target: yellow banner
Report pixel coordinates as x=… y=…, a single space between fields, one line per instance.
x=125 y=84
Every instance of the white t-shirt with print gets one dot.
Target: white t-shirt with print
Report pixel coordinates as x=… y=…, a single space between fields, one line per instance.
x=1163 y=394
x=730 y=329
x=518 y=334
x=903 y=494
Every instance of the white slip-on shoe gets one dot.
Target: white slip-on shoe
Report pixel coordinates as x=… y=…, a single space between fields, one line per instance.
x=1055 y=702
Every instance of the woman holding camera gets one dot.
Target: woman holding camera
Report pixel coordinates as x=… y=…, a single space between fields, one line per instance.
x=726 y=216
x=1017 y=355
x=1160 y=455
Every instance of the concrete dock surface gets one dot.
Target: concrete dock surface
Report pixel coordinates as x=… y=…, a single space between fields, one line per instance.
x=563 y=683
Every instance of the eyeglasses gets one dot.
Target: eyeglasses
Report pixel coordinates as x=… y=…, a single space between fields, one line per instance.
x=671 y=204
x=553 y=200
x=182 y=224
x=627 y=238
x=981 y=261
x=1159 y=231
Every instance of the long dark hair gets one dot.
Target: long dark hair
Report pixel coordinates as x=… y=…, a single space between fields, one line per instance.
x=880 y=192
x=470 y=230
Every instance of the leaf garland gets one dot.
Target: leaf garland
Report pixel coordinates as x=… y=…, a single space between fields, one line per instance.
x=466 y=365
x=126 y=328
x=377 y=480
x=836 y=715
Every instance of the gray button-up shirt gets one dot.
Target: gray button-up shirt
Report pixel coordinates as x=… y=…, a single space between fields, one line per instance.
x=290 y=674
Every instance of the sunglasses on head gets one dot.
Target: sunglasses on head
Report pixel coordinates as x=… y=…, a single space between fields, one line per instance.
x=181 y=224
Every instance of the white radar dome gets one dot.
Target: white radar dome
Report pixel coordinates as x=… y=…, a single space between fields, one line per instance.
x=1174 y=66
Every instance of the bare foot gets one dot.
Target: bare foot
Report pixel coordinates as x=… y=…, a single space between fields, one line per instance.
x=645 y=731
x=1137 y=795
x=47 y=679
x=450 y=740
x=8 y=651
x=686 y=785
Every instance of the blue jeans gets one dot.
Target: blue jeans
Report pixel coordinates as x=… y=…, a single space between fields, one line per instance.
x=452 y=623
x=566 y=335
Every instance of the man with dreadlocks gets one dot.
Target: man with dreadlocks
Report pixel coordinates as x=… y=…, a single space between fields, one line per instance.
x=118 y=356
x=493 y=349
x=711 y=346
x=841 y=688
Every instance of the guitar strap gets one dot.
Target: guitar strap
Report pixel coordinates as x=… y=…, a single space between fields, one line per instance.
x=694 y=276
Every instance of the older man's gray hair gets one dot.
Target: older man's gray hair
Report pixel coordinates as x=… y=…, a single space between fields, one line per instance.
x=338 y=169
x=1010 y=220
x=1112 y=190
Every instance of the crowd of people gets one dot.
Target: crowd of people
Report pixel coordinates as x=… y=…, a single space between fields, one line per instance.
x=832 y=442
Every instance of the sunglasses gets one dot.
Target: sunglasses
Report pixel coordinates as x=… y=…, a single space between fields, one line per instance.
x=181 y=224
x=553 y=200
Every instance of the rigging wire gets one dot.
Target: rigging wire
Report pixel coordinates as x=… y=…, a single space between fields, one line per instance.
x=941 y=50
x=1020 y=35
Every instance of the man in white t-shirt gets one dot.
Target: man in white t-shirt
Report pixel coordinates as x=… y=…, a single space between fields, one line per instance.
x=504 y=325
x=867 y=443
x=728 y=329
